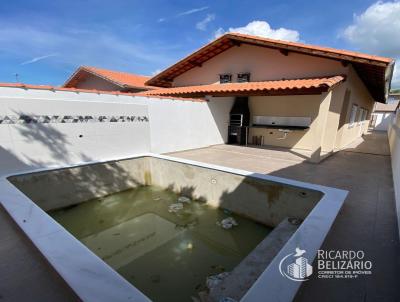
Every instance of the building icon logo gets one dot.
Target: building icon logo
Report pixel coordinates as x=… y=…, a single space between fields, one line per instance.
x=295 y=267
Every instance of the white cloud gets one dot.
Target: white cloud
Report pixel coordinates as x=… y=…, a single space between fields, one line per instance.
x=184 y=13
x=36 y=59
x=377 y=31
x=262 y=29
x=157 y=71
x=192 y=11
x=202 y=25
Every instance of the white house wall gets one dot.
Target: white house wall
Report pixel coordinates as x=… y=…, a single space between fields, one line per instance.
x=359 y=96
x=263 y=64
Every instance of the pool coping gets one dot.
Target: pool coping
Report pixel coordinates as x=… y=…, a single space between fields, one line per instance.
x=93 y=280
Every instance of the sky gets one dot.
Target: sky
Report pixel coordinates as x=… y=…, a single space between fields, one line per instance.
x=44 y=41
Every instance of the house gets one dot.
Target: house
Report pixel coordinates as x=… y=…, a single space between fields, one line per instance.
x=302 y=98
x=383 y=114
x=86 y=77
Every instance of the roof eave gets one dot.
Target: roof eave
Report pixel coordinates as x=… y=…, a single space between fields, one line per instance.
x=88 y=70
x=270 y=43
x=71 y=77
x=122 y=85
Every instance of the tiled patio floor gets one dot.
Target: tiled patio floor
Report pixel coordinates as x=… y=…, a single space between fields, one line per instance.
x=366 y=222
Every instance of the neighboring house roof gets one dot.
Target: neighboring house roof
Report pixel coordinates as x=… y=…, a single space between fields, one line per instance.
x=279 y=87
x=122 y=79
x=376 y=72
x=391 y=107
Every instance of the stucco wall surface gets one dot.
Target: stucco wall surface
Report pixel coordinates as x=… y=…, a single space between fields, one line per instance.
x=290 y=106
x=383 y=120
x=76 y=127
x=357 y=94
x=263 y=64
x=394 y=143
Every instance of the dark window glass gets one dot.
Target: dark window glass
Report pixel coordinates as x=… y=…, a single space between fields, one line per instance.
x=225 y=78
x=243 y=77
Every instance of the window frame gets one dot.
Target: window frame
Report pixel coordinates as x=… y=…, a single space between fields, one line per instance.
x=352 y=118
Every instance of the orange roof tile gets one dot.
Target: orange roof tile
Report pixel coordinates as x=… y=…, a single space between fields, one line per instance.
x=123 y=79
x=324 y=49
x=296 y=86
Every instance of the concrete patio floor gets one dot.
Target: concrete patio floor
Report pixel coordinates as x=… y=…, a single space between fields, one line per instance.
x=367 y=220
x=25 y=274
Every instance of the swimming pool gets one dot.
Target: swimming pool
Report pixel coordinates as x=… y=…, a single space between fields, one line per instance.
x=293 y=209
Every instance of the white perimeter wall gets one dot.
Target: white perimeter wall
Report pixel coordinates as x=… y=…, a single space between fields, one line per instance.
x=394 y=142
x=25 y=146
x=181 y=125
x=173 y=125
x=383 y=120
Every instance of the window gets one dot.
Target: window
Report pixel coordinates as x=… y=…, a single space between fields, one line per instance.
x=365 y=114
x=225 y=78
x=353 y=115
x=243 y=77
x=360 y=115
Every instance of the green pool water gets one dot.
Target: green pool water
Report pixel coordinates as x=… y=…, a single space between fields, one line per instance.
x=166 y=255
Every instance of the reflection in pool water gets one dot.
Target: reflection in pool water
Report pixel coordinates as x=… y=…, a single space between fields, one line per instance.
x=167 y=255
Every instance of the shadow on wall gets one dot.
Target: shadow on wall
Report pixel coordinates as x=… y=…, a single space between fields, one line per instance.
x=9 y=162
x=48 y=147
x=383 y=125
x=49 y=137
x=35 y=145
x=346 y=133
x=220 y=109
x=69 y=186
